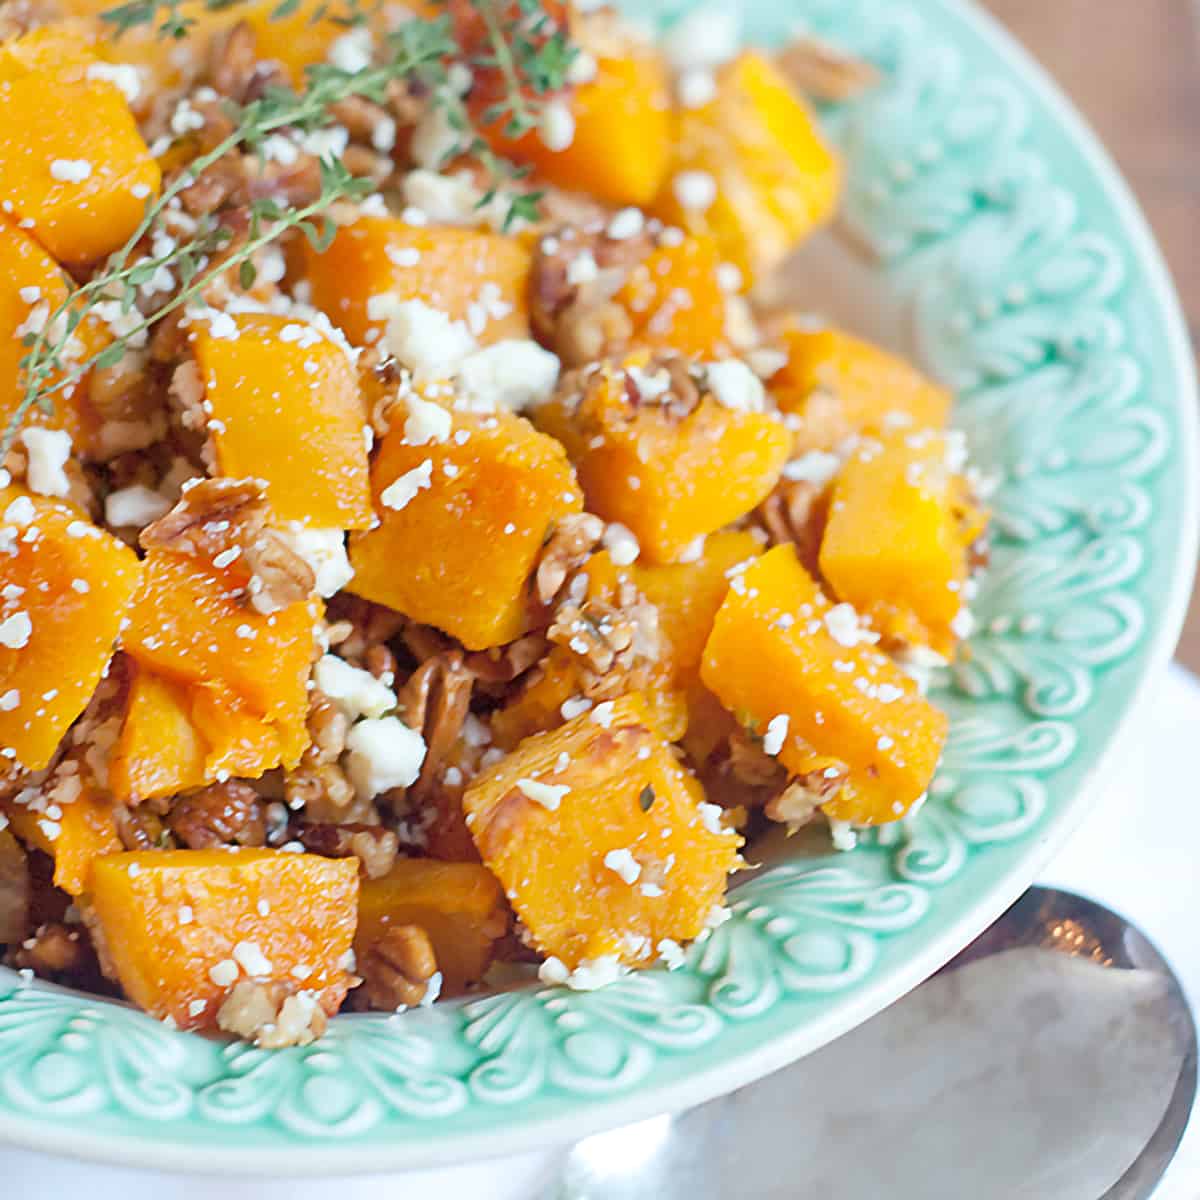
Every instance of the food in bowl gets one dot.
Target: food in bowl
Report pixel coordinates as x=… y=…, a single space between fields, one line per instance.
x=420 y=554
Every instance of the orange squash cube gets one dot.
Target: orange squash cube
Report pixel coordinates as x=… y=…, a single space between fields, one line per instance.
x=653 y=471
x=283 y=405
x=159 y=751
x=688 y=595
x=459 y=905
x=180 y=927
x=74 y=833
x=675 y=301
x=895 y=545
x=840 y=385
x=191 y=624
x=479 y=278
x=71 y=158
x=32 y=285
x=65 y=586
x=462 y=522
x=780 y=649
x=601 y=839
x=776 y=178
x=621 y=146
x=176 y=736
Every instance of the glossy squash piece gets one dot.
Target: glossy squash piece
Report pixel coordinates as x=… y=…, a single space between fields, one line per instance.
x=458 y=552
x=459 y=905
x=159 y=751
x=78 y=833
x=476 y=277
x=191 y=623
x=598 y=836
x=688 y=595
x=776 y=178
x=32 y=285
x=65 y=587
x=621 y=147
x=674 y=299
x=289 y=916
x=840 y=385
x=283 y=405
x=896 y=542
x=653 y=472
x=71 y=158
x=779 y=648
x=176 y=736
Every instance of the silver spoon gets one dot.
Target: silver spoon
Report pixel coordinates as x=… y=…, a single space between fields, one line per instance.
x=1053 y=1059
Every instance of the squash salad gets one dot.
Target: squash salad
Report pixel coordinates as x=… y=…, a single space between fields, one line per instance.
x=421 y=557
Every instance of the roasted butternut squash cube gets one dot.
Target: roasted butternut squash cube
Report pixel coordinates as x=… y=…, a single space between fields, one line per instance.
x=459 y=905
x=688 y=594
x=840 y=385
x=462 y=522
x=620 y=148
x=192 y=624
x=71 y=158
x=601 y=839
x=780 y=649
x=32 y=286
x=65 y=586
x=776 y=180
x=651 y=469
x=74 y=832
x=895 y=545
x=283 y=405
x=159 y=751
x=298 y=39
x=675 y=300
x=177 y=736
x=475 y=277
x=181 y=927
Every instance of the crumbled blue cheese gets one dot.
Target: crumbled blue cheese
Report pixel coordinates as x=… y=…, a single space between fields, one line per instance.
x=776 y=734
x=425 y=422
x=695 y=190
x=325 y=552
x=352 y=51
x=421 y=337
x=816 y=467
x=556 y=126
x=587 y=977
x=401 y=490
x=70 y=170
x=15 y=631
x=123 y=76
x=355 y=691
x=734 y=386
x=843 y=834
x=548 y=795
x=623 y=548
x=48 y=452
x=383 y=754
x=134 y=506
x=626 y=223
x=621 y=862
x=515 y=374
x=843 y=625
x=249 y=956
x=671 y=954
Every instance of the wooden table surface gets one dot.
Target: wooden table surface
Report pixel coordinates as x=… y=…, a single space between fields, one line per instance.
x=1133 y=68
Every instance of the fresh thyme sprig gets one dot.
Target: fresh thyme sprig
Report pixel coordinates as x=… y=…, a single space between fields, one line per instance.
x=530 y=55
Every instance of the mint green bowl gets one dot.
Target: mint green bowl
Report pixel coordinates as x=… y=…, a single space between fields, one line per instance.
x=993 y=222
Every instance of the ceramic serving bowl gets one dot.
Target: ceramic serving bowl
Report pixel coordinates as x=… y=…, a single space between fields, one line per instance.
x=989 y=234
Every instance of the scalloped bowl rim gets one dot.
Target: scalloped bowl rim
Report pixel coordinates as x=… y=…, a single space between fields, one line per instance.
x=64 y=1138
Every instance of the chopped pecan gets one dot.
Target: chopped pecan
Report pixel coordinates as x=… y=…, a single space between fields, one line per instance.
x=500 y=665
x=327 y=726
x=570 y=543
x=369 y=625
x=222 y=814
x=373 y=846
x=140 y=828
x=15 y=888
x=323 y=793
x=825 y=72
x=236 y=70
x=271 y=1014
x=436 y=699
x=397 y=968
x=55 y=951
x=218 y=515
x=796 y=512
x=750 y=764
x=798 y=803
